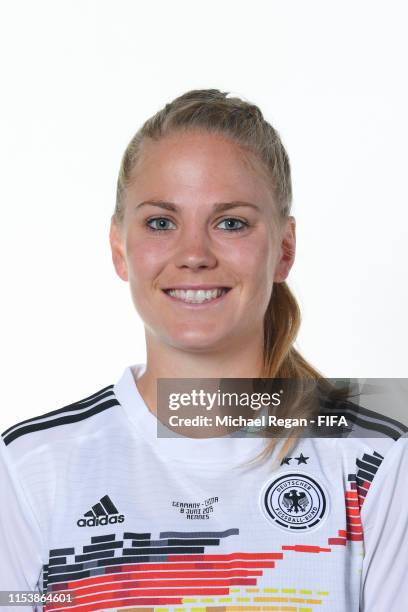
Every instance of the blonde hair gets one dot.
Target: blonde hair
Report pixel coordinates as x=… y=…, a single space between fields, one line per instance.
x=212 y=110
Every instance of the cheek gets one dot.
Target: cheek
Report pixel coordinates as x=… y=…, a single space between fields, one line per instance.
x=145 y=259
x=254 y=259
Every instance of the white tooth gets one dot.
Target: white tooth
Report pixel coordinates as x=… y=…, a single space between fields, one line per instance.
x=200 y=295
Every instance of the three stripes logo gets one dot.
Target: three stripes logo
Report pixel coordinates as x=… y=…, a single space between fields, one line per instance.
x=102 y=513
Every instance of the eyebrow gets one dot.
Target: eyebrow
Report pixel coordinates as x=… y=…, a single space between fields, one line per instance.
x=218 y=207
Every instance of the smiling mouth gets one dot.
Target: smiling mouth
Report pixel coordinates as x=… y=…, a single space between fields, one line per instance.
x=199 y=296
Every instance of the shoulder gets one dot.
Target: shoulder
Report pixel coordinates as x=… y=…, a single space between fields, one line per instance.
x=374 y=434
x=41 y=453
x=378 y=459
x=386 y=483
x=368 y=447
x=362 y=422
x=69 y=421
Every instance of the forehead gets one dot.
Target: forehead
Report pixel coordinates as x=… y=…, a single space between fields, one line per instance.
x=205 y=164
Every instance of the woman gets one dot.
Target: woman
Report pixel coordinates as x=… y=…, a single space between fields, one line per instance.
x=102 y=510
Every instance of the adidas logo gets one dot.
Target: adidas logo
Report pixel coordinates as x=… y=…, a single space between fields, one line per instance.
x=102 y=513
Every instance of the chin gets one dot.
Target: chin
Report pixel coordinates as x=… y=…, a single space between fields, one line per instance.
x=195 y=342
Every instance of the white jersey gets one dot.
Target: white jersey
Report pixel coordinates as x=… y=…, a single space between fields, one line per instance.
x=96 y=506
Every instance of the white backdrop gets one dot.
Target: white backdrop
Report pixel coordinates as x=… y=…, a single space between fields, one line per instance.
x=79 y=77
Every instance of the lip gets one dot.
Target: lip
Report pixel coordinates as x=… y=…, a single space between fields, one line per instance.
x=207 y=287
x=195 y=306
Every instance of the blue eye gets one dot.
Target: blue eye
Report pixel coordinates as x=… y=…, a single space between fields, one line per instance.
x=161 y=221
x=230 y=220
x=161 y=224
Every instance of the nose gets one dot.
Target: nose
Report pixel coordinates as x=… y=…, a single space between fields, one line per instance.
x=195 y=250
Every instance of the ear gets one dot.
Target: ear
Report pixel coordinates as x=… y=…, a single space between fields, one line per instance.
x=288 y=250
x=118 y=253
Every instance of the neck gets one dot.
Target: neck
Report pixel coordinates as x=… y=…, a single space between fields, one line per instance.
x=243 y=360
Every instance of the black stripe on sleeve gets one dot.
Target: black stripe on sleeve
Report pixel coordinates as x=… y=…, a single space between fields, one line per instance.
x=84 y=403
x=72 y=418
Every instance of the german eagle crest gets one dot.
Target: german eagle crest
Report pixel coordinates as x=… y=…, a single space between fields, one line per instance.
x=294 y=501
